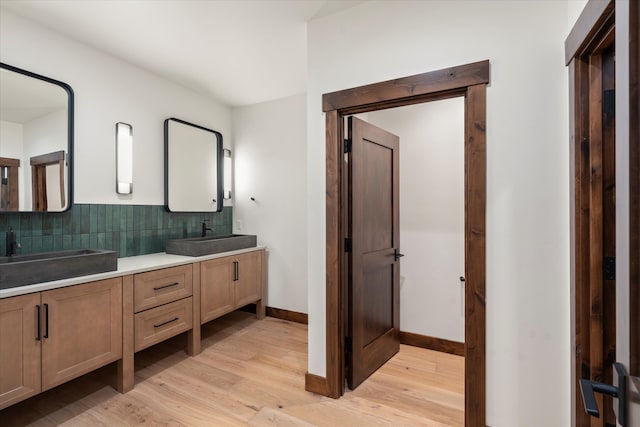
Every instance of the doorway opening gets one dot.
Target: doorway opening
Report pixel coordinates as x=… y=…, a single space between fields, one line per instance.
x=431 y=221
x=469 y=81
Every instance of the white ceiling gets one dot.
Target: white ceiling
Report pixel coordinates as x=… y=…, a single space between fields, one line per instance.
x=240 y=52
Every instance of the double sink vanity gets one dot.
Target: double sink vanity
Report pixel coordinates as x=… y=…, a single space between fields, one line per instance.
x=69 y=312
x=55 y=329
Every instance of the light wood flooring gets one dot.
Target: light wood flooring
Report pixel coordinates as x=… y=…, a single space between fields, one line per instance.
x=251 y=372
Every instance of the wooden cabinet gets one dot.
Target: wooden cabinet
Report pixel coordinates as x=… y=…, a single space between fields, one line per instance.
x=19 y=349
x=163 y=304
x=157 y=305
x=229 y=283
x=82 y=330
x=51 y=337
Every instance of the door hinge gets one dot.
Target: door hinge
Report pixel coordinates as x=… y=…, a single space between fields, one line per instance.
x=348 y=345
x=609 y=268
x=347 y=145
x=609 y=101
x=348 y=244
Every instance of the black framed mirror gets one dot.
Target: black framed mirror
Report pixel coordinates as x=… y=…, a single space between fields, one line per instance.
x=193 y=167
x=36 y=142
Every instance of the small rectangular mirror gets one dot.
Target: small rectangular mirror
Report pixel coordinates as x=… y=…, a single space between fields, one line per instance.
x=193 y=167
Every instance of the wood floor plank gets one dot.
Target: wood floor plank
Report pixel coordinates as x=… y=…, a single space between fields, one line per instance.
x=251 y=372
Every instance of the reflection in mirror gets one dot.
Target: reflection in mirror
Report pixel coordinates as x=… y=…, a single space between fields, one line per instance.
x=36 y=140
x=193 y=167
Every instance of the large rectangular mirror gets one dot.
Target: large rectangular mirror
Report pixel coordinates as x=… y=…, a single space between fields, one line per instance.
x=193 y=167
x=36 y=142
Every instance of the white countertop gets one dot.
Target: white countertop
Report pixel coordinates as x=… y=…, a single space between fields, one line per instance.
x=126 y=266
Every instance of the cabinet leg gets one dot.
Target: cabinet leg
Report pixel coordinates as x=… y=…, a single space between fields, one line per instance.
x=260 y=309
x=193 y=341
x=125 y=365
x=125 y=374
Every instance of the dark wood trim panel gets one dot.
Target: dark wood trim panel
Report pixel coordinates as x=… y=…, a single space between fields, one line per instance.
x=475 y=254
x=469 y=80
x=591 y=324
x=444 y=80
x=47 y=159
x=580 y=214
x=8 y=162
x=634 y=185
x=334 y=258
x=11 y=187
x=291 y=316
x=316 y=384
x=432 y=343
x=592 y=18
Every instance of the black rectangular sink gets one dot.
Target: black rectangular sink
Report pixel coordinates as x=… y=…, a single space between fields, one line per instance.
x=20 y=270
x=199 y=246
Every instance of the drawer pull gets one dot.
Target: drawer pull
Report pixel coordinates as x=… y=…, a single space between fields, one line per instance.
x=166 y=286
x=46 y=320
x=165 y=323
x=39 y=333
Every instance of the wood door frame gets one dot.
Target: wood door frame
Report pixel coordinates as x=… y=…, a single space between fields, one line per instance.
x=470 y=81
x=592 y=33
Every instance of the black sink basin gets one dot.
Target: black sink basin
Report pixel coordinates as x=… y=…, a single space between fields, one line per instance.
x=199 y=246
x=20 y=270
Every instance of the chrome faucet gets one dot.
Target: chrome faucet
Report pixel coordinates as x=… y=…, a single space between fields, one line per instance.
x=205 y=228
x=12 y=244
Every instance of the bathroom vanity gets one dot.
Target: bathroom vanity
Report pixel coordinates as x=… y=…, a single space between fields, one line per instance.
x=55 y=331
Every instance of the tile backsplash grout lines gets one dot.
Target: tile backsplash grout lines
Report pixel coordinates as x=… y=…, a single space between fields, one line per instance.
x=127 y=229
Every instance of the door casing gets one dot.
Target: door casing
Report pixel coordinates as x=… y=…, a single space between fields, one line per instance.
x=594 y=30
x=470 y=81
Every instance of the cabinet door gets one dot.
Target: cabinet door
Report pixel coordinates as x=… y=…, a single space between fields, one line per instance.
x=82 y=330
x=19 y=349
x=216 y=291
x=247 y=286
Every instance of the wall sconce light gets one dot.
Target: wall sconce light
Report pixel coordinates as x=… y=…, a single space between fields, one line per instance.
x=124 y=158
x=227 y=173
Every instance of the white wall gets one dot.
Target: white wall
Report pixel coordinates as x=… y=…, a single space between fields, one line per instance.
x=431 y=215
x=270 y=166
x=108 y=90
x=527 y=177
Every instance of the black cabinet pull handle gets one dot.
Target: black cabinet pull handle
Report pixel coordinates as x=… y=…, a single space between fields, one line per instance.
x=39 y=321
x=397 y=255
x=165 y=286
x=46 y=320
x=165 y=323
x=236 y=273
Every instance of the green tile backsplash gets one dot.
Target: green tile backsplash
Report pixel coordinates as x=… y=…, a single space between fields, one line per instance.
x=128 y=229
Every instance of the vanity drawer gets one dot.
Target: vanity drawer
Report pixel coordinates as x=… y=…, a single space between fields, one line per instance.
x=158 y=324
x=162 y=286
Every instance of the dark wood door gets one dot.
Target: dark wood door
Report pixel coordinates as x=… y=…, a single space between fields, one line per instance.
x=373 y=318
